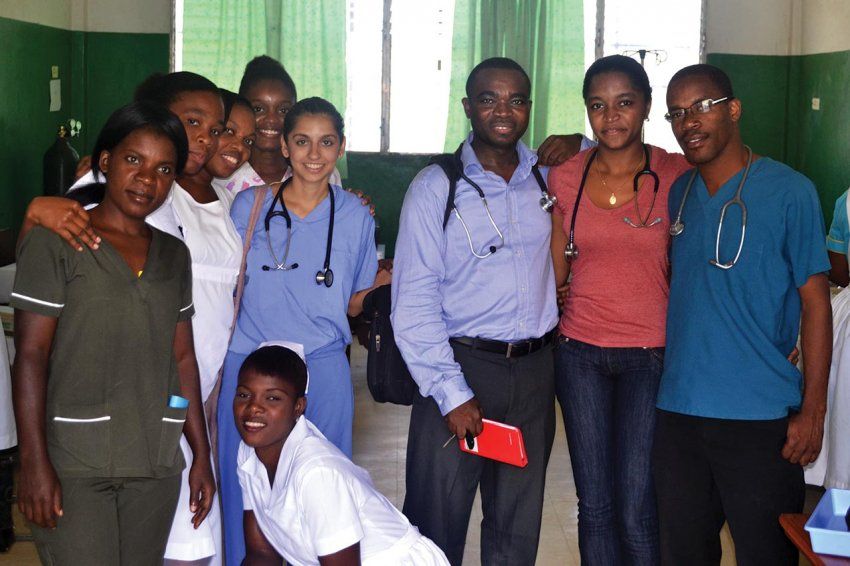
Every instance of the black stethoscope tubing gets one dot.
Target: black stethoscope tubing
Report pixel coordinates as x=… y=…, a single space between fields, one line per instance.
x=326 y=275
x=571 y=251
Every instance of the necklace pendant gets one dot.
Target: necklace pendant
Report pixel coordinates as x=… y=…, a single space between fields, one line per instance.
x=613 y=199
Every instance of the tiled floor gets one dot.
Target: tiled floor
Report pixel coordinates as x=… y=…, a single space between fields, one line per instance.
x=380 y=439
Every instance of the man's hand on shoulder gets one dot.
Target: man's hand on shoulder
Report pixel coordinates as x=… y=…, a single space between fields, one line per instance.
x=556 y=149
x=804 y=438
x=465 y=418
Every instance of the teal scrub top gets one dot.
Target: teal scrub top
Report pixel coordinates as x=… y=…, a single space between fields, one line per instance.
x=729 y=332
x=838 y=238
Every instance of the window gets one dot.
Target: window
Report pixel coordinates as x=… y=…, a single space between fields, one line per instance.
x=398 y=56
x=668 y=33
x=413 y=65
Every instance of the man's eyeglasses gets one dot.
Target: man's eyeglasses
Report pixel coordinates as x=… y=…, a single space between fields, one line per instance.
x=701 y=107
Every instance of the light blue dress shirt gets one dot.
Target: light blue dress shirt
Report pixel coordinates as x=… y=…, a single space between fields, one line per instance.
x=440 y=290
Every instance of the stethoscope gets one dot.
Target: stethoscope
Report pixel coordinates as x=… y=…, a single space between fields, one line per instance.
x=547 y=202
x=323 y=277
x=677 y=227
x=571 y=251
x=491 y=249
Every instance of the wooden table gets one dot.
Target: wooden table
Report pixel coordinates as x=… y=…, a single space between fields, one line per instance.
x=792 y=524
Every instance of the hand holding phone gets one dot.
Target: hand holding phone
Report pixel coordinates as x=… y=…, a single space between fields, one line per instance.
x=497 y=441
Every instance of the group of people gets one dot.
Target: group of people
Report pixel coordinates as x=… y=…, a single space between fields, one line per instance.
x=684 y=280
x=669 y=356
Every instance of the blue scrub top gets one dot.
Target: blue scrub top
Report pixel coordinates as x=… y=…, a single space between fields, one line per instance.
x=838 y=238
x=289 y=305
x=729 y=332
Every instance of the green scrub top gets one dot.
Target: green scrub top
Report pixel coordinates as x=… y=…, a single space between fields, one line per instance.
x=112 y=367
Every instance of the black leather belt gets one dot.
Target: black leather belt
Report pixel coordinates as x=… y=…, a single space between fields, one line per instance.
x=507 y=349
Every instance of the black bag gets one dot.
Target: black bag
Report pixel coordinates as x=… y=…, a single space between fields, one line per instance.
x=387 y=375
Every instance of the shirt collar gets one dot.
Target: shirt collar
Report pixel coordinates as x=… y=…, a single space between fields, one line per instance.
x=471 y=165
x=251 y=465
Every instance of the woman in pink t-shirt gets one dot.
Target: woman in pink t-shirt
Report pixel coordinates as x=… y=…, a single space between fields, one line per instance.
x=609 y=360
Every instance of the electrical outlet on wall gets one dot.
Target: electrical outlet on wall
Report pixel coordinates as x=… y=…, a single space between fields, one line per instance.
x=54 y=72
x=815 y=103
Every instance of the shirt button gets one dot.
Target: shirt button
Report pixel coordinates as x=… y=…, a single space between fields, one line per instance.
x=523 y=289
x=521 y=324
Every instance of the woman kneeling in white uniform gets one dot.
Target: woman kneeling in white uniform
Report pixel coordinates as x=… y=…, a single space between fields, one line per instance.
x=304 y=500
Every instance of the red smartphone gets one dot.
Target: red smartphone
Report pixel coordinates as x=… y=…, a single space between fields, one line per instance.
x=500 y=442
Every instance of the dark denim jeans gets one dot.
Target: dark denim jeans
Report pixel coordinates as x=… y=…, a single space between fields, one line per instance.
x=608 y=398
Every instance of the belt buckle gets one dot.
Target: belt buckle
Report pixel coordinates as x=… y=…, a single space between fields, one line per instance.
x=509 y=350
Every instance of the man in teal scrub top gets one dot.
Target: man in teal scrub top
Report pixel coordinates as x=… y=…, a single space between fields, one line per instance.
x=736 y=421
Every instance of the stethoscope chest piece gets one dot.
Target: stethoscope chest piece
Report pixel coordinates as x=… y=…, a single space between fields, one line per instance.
x=571 y=251
x=325 y=277
x=677 y=228
x=547 y=202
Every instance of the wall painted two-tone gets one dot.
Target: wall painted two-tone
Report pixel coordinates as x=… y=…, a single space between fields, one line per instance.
x=102 y=48
x=785 y=57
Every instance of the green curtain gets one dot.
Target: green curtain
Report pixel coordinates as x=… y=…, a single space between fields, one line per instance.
x=546 y=37
x=220 y=36
x=308 y=37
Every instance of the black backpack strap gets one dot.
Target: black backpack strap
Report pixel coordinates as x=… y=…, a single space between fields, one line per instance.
x=451 y=165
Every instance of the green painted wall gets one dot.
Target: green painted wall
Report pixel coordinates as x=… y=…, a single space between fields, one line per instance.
x=776 y=93
x=761 y=83
x=99 y=72
x=27 y=128
x=114 y=64
x=385 y=178
x=819 y=140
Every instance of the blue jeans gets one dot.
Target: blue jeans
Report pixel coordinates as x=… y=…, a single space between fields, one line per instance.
x=607 y=396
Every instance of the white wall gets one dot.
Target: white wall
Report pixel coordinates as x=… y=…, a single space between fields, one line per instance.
x=52 y=13
x=825 y=26
x=777 y=27
x=752 y=27
x=127 y=16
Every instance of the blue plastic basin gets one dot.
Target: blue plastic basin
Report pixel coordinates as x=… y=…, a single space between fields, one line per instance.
x=827 y=526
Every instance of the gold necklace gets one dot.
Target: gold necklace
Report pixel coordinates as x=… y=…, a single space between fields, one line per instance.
x=612 y=200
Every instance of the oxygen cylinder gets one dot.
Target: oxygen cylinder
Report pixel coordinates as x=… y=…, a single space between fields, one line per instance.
x=59 y=165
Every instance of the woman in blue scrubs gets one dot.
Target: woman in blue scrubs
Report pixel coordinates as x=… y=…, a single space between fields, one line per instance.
x=294 y=293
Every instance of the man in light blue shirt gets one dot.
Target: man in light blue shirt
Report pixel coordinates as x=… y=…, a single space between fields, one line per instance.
x=737 y=422
x=473 y=313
